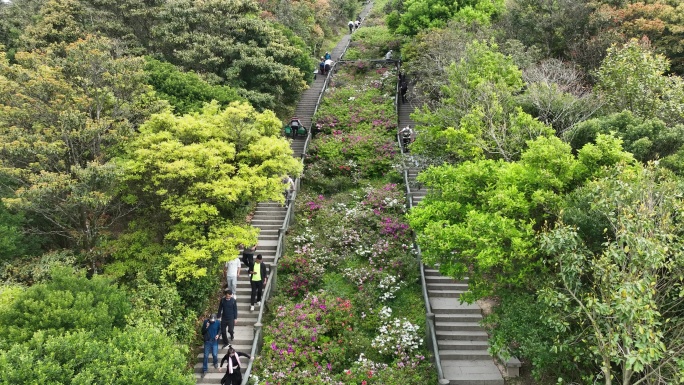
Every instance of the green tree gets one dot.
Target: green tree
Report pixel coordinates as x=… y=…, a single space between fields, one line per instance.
x=419 y=15
x=621 y=304
x=68 y=302
x=198 y=170
x=479 y=96
x=185 y=91
x=633 y=78
x=229 y=40
x=75 y=330
x=552 y=26
x=59 y=23
x=64 y=117
x=648 y=139
x=485 y=220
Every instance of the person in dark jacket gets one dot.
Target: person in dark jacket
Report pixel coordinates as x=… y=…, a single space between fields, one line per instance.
x=403 y=88
x=258 y=276
x=228 y=313
x=210 y=331
x=248 y=256
x=233 y=374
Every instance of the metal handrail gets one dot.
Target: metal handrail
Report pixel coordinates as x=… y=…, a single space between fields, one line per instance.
x=430 y=325
x=256 y=343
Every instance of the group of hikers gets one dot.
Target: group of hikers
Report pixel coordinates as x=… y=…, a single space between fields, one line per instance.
x=221 y=325
x=354 y=25
x=326 y=64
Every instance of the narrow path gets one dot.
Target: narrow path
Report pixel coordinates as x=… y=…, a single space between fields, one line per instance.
x=462 y=342
x=269 y=217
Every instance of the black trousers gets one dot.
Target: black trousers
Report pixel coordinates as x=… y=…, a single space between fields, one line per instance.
x=257 y=291
x=230 y=325
x=232 y=379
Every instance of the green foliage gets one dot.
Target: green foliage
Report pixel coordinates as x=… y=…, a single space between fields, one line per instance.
x=29 y=271
x=356 y=155
x=632 y=78
x=64 y=117
x=75 y=330
x=420 y=15
x=138 y=355
x=229 y=40
x=479 y=96
x=13 y=243
x=199 y=169
x=372 y=43
x=185 y=91
x=634 y=279
x=554 y=27
x=59 y=23
x=519 y=329
x=69 y=302
x=486 y=219
x=161 y=304
x=647 y=139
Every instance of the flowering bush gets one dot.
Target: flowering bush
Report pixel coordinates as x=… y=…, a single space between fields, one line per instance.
x=372 y=43
x=366 y=154
x=299 y=275
x=359 y=103
x=386 y=199
x=350 y=242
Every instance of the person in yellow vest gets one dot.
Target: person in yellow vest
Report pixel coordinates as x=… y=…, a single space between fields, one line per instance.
x=258 y=272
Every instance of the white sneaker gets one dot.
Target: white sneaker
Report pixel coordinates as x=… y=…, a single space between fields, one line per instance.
x=258 y=303
x=251 y=308
x=235 y=297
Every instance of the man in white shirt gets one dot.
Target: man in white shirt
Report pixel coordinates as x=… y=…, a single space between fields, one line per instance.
x=232 y=270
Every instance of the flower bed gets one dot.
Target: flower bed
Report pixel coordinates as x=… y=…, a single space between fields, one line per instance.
x=349 y=307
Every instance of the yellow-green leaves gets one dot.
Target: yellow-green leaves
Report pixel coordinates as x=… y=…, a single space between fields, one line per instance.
x=199 y=169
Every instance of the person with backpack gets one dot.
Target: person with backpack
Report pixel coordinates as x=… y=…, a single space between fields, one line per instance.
x=321 y=66
x=351 y=26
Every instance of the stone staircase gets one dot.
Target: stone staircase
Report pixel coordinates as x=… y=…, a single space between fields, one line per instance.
x=462 y=342
x=269 y=218
x=307 y=104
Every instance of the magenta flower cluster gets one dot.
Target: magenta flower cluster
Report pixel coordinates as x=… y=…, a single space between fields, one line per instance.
x=393 y=227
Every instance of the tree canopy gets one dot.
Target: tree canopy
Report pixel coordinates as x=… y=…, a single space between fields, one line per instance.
x=198 y=169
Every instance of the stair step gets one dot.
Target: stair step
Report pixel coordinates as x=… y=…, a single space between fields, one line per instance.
x=458 y=326
x=464 y=355
x=463 y=344
x=462 y=335
x=445 y=293
x=467 y=317
x=431 y=285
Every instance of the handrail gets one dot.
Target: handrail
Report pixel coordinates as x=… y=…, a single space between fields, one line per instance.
x=269 y=284
x=430 y=317
x=281 y=235
x=323 y=89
